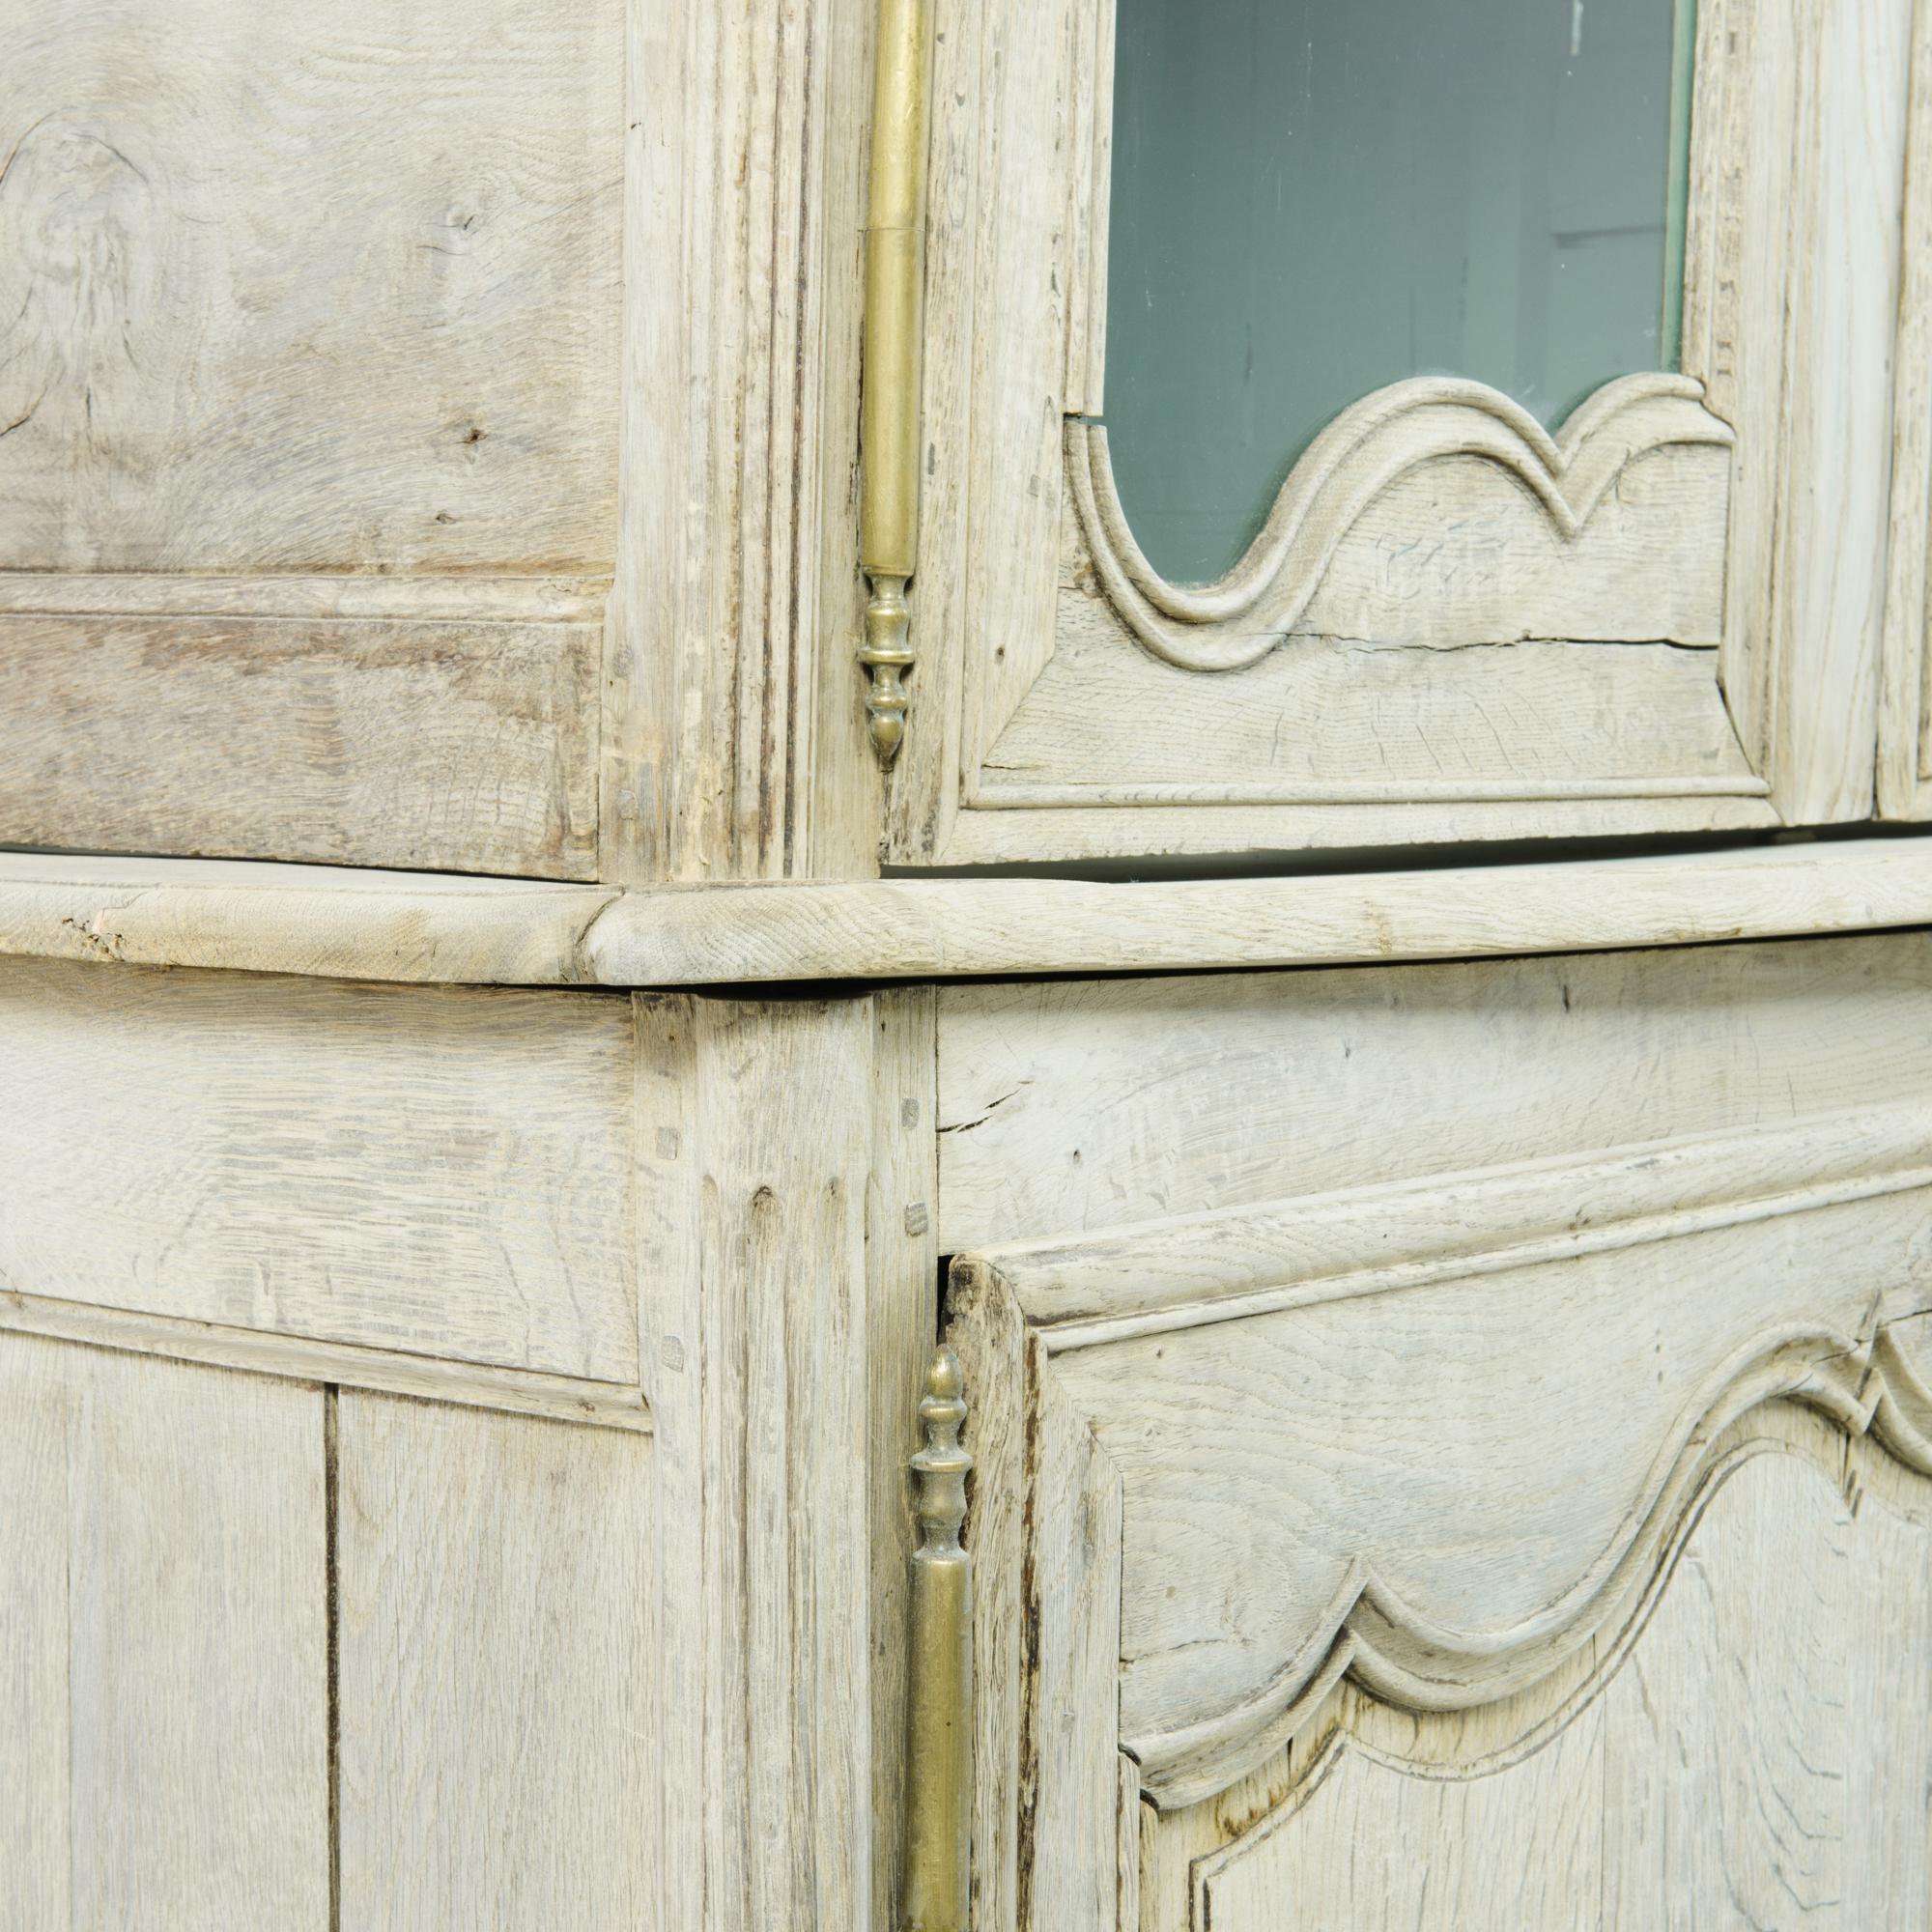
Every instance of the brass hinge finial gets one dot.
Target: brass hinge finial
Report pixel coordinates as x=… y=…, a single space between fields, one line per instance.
x=890 y=396
x=939 y=1696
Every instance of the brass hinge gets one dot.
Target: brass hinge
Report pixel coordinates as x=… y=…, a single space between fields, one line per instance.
x=890 y=396
x=939 y=1691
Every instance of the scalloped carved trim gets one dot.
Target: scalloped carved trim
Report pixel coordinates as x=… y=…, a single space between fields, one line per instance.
x=1352 y=1722
x=1869 y=1388
x=1235 y=623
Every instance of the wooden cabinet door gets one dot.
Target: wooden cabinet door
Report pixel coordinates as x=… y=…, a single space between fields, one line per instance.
x=1546 y=1550
x=1498 y=564
x=1524 y=1520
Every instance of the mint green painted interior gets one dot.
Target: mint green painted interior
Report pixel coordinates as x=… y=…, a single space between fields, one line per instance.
x=1314 y=198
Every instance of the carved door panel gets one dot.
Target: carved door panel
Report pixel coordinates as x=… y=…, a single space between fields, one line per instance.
x=1548 y=1547
x=1501 y=458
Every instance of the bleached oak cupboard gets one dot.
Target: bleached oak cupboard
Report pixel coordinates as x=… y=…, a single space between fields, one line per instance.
x=570 y=909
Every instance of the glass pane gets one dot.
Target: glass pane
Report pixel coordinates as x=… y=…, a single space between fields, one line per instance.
x=1312 y=198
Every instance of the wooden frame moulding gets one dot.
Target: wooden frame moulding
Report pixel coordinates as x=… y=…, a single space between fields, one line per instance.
x=1762 y=564
x=1120 y=1376
x=354 y=924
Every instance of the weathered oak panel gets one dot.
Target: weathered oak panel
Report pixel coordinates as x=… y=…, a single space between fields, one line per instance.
x=468 y=747
x=164 y=1704
x=497 y=1743
x=438 y=1172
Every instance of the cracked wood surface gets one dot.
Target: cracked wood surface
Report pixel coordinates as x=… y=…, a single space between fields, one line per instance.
x=350 y=924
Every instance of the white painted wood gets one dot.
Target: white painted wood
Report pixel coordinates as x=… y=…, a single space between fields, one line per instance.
x=166 y=1633
x=1071 y=1107
x=433 y=1172
x=497 y=1736
x=1760 y=1758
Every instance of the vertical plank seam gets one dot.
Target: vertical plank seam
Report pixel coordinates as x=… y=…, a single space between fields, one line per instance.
x=809 y=278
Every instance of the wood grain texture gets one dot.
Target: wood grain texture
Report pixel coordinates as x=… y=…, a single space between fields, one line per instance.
x=1752 y=1763
x=513 y=1391
x=435 y=1172
x=330 y=289
x=1044 y=693
x=958 y=928
x=734 y=741
x=1069 y=1107
x=315 y=922
x=902 y=1325
x=353 y=925
x=754 y=1142
x=368 y=597
x=1782 y=1369
x=1521 y=723
x=498 y=1738
x=35 y=1719
x=1796 y=222
x=1272 y=836
x=166 y=1625
x=1383 y=1850
x=1511 y=1424
x=1498 y=486
x=1903 y=720
x=353 y=741
x=997 y=283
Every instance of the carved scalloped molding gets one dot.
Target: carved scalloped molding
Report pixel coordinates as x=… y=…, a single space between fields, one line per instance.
x=1362 y=1725
x=1369 y=447
x=1724 y=1250
x=1393 y=1652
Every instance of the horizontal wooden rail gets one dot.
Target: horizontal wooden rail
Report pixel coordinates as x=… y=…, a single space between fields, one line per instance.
x=435 y=928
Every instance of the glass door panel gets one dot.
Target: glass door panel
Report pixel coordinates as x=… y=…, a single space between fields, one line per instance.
x=1311 y=201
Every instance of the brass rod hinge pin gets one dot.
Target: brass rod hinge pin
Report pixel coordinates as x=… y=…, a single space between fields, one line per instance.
x=939 y=1691
x=890 y=396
